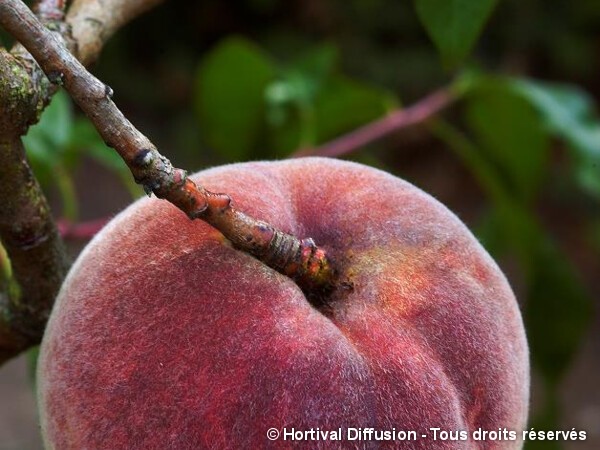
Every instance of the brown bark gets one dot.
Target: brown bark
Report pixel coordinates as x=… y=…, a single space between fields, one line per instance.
x=299 y=259
x=36 y=252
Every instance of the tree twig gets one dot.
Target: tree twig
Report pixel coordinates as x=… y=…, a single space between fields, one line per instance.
x=302 y=260
x=391 y=123
x=26 y=226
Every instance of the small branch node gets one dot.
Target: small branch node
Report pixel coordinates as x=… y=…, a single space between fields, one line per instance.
x=108 y=91
x=143 y=158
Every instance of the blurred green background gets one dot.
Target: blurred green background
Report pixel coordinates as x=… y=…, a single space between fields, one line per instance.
x=517 y=155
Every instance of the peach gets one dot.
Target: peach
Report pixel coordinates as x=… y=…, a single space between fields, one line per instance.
x=166 y=337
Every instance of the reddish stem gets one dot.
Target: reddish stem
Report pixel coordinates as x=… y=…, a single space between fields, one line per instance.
x=394 y=121
x=81 y=230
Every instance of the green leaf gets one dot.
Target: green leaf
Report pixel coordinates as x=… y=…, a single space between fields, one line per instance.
x=557 y=308
x=557 y=312
x=341 y=105
x=345 y=104
x=512 y=135
x=318 y=63
x=454 y=25
x=310 y=102
x=56 y=122
x=39 y=150
x=291 y=98
x=569 y=113
x=85 y=139
x=230 y=96
x=33 y=355
x=47 y=141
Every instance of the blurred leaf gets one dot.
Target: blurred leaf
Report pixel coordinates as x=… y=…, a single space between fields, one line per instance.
x=510 y=132
x=55 y=145
x=33 y=355
x=230 y=96
x=46 y=142
x=487 y=233
x=483 y=172
x=47 y=139
x=310 y=103
x=454 y=25
x=48 y=145
x=285 y=130
x=39 y=150
x=5 y=269
x=56 y=122
x=557 y=312
x=341 y=105
x=68 y=194
x=557 y=309
x=569 y=112
x=291 y=98
x=519 y=233
x=345 y=104
x=86 y=139
x=318 y=63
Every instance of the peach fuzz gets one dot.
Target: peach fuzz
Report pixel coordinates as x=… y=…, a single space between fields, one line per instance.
x=166 y=337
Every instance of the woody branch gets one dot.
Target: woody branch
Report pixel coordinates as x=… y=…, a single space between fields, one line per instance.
x=300 y=259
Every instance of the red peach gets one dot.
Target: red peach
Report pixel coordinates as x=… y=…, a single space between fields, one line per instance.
x=166 y=337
